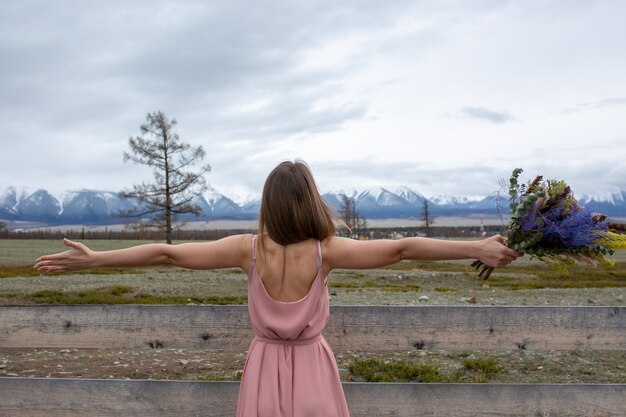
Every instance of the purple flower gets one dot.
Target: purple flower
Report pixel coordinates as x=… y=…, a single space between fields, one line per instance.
x=576 y=229
x=530 y=222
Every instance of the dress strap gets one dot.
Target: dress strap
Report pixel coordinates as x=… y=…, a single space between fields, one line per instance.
x=319 y=256
x=253 y=252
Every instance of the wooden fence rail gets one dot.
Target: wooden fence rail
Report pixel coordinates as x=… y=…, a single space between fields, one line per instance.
x=350 y=328
x=39 y=397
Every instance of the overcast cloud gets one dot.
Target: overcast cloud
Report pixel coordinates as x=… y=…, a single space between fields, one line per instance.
x=488 y=115
x=444 y=97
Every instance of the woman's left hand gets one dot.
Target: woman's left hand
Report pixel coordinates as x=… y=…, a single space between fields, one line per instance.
x=77 y=257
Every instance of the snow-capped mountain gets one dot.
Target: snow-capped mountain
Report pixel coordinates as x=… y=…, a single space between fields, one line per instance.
x=220 y=206
x=379 y=196
x=85 y=206
x=612 y=198
x=451 y=200
x=333 y=199
x=102 y=207
x=40 y=206
x=409 y=195
x=381 y=203
x=8 y=201
x=251 y=208
x=609 y=204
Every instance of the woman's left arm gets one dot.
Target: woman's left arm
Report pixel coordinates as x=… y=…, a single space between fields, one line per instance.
x=232 y=251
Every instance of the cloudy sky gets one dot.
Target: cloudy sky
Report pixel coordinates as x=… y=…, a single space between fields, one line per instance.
x=446 y=97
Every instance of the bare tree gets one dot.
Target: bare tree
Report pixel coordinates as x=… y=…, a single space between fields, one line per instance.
x=2 y=225
x=356 y=223
x=427 y=218
x=174 y=187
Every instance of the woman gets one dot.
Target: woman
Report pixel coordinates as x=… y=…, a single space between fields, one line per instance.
x=290 y=369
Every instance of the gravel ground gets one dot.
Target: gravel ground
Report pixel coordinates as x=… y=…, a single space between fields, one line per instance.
x=441 y=288
x=517 y=366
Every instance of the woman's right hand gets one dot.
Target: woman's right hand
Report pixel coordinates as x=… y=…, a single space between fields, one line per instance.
x=494 y=252
x=77 y=257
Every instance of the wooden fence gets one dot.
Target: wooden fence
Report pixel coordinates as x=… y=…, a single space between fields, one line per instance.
x=350 y=328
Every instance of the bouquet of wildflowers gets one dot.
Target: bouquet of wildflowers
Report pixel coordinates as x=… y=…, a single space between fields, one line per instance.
x=549 y=224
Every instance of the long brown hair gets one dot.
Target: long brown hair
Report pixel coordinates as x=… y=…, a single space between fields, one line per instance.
x=292 y=209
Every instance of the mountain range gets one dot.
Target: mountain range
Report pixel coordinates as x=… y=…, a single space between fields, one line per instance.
x=100 y=207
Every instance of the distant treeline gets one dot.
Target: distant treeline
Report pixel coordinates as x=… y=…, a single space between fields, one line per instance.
x=373 y=233
x=436 y=231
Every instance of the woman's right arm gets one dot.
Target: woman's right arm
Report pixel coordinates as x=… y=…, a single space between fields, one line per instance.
x=355 y=254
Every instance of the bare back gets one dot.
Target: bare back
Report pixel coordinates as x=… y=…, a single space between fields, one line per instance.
x=287 y=272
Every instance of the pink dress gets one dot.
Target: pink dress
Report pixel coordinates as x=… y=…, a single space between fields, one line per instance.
x=290 y=370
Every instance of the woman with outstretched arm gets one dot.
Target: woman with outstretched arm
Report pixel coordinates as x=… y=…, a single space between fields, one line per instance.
x=290 y=370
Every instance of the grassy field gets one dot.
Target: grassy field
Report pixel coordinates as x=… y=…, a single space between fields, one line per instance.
x=443 y=282
x=14 y=252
